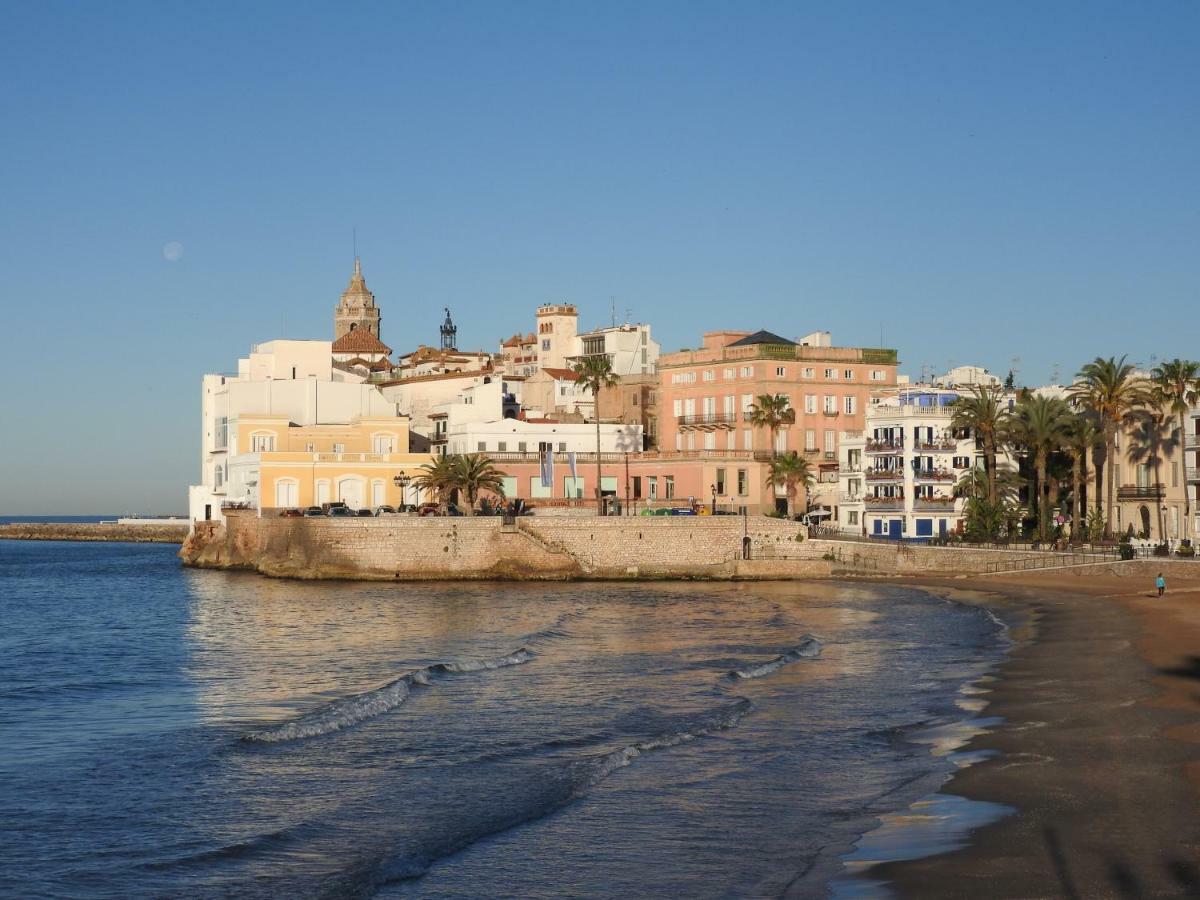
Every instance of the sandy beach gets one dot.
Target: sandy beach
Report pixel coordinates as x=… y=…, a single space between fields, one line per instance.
x=1099 y=750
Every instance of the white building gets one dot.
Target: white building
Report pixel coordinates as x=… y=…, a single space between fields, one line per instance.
x=521 y=436
x=290 y=378
x=420 y=397
x=630 y=348
x=897 y=476
x=552 y=391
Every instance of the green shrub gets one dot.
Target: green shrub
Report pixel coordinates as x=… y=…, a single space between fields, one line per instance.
x=1186 y=552
x=1126 y=550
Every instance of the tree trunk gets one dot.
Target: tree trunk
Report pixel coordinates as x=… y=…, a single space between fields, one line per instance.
x=1077 y=497
x=791 y=497
x=1110 y=450
x=599 y=497
x=1187 y=491
x=989 y=461
x=1043 y=496
x=470 y=505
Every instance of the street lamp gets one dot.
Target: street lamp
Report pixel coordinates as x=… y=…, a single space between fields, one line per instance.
x=714 y=500
x=402 y=481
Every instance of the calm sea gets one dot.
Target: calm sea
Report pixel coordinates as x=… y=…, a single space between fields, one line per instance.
x=169 y=732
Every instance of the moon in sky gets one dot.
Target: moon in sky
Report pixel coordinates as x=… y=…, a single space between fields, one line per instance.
x=172 y=251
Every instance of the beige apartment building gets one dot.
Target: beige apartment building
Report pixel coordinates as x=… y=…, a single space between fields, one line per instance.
x=705 y=395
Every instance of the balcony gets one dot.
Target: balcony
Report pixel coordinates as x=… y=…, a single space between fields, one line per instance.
x=884 y=474
x=883 y=504
x=1193 y=474
x=1141 y=492
x=874 y=446
x=830 y=412
x=708 y=421
x=1191 y=441
x=942 y=445
x=934 y=475
x=850 y=498
x=439 y=438
x=933 y=504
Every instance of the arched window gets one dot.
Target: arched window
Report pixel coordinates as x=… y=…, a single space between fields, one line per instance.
x=353 y=325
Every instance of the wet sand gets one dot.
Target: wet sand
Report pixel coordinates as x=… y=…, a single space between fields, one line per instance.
x=1100 y=747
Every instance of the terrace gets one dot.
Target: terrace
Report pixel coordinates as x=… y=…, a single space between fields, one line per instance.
x=874 y=446
x=1141 y=492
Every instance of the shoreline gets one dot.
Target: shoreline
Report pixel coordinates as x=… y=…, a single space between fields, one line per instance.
x=94 y=532
x=1097 y=748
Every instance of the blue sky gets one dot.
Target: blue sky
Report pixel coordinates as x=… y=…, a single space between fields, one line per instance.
x=980 y=181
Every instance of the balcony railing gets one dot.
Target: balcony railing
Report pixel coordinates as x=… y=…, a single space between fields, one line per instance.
x=874 y=446
x=933 y=504
x=439 y=438
x=830 y=412
x=884 y=474
x=884 y=503
x=1191 y=441
x=1141 y=492
x=934 y=475
x=946 y=445
x=850 y=498
x=1193 y=473
x=721 y=418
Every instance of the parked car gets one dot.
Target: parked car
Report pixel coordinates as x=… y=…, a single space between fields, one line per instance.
x=385 y=511
x=313 y=511
x=291 y=514
x=341 y=512
x=428 y=509
x=683 y=511
x=365 y=513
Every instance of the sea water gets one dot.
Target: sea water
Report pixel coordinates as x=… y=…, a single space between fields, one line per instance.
x=175 y=732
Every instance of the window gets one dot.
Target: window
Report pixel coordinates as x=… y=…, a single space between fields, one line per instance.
x=501 y=446
x=218 y=476
x=652 y=484
x=521 y=447
x=678 y=407
x=747 y=403
x=709 y=375
x=310 y=447
x=222 y=435
x=810 y=404
x=830 y=404
x=710 y=440
x=810 y=373
x=781 y=442
x=743 y=483
x=546 y=344
x=637 y=487
x=850 y=404
x=381 y=443
x=961 y=462
x=830 y=442
x=848 y=374
x=730 y=400
x=537 y=489
x=1174 y=474
x=562 y=446
x=747 y=371
x=509 y=483
x=830 y=374
x=481 y=446
x=720 y=481
x=730 y=374
x=852 y=517
x=747 y=438
x=691 y=440
x=573 y=486
x=262 y=443
x=593 y=346
x=780 y=371
x=877 y=375
x=810 y=439
x=669 y=486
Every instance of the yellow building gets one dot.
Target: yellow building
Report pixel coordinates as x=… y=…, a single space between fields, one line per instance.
x=276 y=464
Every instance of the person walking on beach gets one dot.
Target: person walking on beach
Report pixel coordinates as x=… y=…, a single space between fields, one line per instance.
x=1160 y=583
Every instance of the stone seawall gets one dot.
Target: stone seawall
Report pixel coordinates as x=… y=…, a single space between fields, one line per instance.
x=535 y=548
x=87 y=531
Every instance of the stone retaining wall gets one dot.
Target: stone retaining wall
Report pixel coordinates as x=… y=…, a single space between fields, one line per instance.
x=90 y=531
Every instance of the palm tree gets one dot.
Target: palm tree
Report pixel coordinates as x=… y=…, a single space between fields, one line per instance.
x=1150 y=439
x=475 y=472
x=790 y=470
x=1041 y=425
x=988 y=417
x=438 y=479
x=985 y=519
x=1110 y=389
x=1081 y=439
x=1177 y=386
x=595 y=373
x=771 y=411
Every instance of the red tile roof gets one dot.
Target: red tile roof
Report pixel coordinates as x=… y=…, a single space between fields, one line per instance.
x=561 y=374
x=360 y=341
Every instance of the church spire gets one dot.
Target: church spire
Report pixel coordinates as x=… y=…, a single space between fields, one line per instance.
x=357 y=307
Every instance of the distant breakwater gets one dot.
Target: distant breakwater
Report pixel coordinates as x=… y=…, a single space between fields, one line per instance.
x=93 y=531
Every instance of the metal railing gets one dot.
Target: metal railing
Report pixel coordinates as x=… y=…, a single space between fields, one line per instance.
x=720 y=418
x=1191 y=441
x=1192 y=473
x=1141 y=491
x=885 y=446
x=934 y=475
x=884 y=474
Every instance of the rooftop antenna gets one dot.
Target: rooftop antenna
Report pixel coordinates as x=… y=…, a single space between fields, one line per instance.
x=613 y=302
x=1015 y=368
x=354 y=239
x=1055 y=374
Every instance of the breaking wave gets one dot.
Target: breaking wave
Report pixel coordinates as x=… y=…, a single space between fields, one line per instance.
x=806 y=649
x=347 y=711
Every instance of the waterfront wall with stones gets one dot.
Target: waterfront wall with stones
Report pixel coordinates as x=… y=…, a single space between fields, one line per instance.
x=90 y=531
x=404 y=548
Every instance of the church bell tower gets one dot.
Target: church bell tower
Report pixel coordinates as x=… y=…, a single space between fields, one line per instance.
x=449 y=333
x=357 y=309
